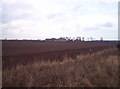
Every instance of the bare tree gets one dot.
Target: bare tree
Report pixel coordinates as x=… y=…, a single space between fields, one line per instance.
x=83 y=39
x=78 y=38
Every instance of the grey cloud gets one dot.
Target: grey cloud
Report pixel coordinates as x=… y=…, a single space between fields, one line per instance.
x=9 y=18
x=98 y=26
x=0 y=14
x=14 y=6
x=77 y=26
x=102 y=3
x=8 y=11
x=108 y=24
x=92 y=28
x=80 y=9
x=85 y=9
x=52 y=16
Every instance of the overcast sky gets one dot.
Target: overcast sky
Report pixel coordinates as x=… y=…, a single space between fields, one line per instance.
x=40 y=19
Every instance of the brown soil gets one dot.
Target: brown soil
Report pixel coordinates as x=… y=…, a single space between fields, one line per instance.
x=24 y=52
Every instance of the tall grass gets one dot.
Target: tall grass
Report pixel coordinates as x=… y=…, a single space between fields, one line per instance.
x=90 y=70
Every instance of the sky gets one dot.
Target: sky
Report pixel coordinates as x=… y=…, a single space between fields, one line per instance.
x=41 y=19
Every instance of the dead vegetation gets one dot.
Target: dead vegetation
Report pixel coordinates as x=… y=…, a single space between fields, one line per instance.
x=90 y=70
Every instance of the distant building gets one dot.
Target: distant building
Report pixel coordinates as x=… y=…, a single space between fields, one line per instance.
x=61 y=39
x=83 y=39
x=51 y=39
x=101 y=39
x=78 y=38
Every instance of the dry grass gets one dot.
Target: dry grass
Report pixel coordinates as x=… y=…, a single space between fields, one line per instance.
x=98 y=69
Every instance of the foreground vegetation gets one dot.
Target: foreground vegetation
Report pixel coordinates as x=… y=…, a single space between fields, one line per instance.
x=90 y=70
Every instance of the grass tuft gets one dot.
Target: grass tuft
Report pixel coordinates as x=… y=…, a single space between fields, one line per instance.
x=90 y=70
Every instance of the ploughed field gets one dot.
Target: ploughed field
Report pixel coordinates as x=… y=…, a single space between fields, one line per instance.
x=26 y=52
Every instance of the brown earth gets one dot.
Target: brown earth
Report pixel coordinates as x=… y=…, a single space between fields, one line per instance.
x=24 y=52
